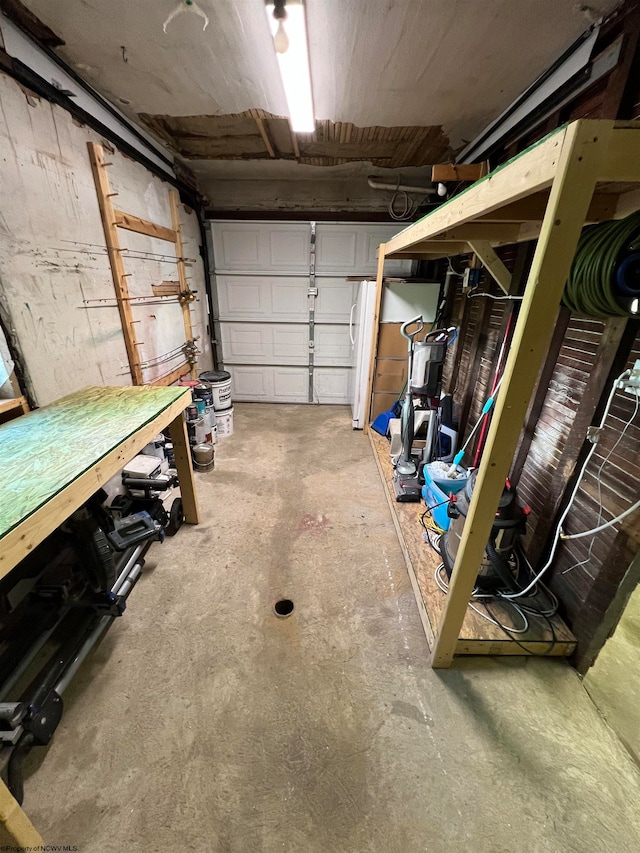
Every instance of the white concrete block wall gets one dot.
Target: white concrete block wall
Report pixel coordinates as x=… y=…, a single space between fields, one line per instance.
x=53 y=260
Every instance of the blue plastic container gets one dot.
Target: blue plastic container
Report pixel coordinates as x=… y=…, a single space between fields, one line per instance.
x=433 y=494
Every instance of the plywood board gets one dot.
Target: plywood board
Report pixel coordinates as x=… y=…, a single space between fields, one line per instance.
x=45 y=453
x=477 y=636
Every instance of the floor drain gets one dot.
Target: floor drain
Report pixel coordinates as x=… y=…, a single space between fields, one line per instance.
x=283 y=608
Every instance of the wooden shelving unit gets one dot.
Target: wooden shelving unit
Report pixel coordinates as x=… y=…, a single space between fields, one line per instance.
x=587 y=171
x=477 y=636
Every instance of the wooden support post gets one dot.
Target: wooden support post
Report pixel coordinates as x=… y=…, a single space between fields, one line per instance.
x=599 y=382
x=174 y=202
x=16 y=824
x=182 y=453
x=118 y=273
x=582 y=151
x=493 y=264
x=376 y=332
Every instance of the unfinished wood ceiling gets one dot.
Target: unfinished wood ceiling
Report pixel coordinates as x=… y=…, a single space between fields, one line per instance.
x=380 y=63
x=257 y=135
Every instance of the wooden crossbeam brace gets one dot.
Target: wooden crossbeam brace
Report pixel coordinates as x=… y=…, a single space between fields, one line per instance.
x=142 y=226
x=492 y=263
x=263 y=132
x=118 y=273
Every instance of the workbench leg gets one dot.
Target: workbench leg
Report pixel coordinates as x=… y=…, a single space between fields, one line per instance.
x=14 y=823
x=182 y=453
x=583 y=150
x=376 y=333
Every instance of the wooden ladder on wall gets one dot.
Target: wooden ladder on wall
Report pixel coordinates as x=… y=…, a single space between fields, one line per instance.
x=112 y=220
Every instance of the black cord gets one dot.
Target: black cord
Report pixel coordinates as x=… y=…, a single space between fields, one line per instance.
x=552 y=642
x=428 y=511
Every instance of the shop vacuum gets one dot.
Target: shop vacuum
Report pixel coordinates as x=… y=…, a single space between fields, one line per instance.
x=502 y=567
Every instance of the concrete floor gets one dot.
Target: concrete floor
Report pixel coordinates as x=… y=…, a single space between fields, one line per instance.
x=204 y=723
x=614 y=681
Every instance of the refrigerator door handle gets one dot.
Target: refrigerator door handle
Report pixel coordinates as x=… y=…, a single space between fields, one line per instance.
x=351 y=338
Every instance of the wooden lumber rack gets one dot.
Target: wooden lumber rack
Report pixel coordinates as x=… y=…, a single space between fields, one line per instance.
x=114 y=219
x=584 y=172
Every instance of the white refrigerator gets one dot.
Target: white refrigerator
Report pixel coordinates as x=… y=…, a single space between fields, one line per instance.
x=401 y=302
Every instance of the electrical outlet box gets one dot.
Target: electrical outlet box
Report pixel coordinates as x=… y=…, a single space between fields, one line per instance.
x=471 y=278
x=632 y=383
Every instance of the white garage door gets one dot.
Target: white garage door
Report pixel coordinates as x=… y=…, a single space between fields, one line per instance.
x=284 y=305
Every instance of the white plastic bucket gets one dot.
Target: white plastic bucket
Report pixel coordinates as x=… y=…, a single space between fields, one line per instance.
x=224 y=423
x=220 y=382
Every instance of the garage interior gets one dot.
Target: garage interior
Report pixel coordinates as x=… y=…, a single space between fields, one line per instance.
x=319 y=425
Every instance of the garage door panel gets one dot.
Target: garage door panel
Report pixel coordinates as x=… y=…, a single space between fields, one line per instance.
x=261 y=246
x=351 y=249
x=332 y=345
x=336 y=248
x=331 y=385
x=267 y=298
x=250 y=383
x=291 y=384
x=264 y=343
x=334 y=300
x=269 y=384
x=289 y=299
x=289 y=248
x=239 y=248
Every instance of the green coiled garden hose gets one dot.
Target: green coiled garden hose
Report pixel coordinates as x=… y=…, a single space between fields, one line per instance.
x=591 y=287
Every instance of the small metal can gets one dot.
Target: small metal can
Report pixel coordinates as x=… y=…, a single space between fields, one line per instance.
x=192 y=412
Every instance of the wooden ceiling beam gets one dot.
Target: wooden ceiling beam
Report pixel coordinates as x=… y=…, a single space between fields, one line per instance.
x=263 y=133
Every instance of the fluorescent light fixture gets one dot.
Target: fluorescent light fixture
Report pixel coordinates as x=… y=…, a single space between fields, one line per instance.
x=294 y=66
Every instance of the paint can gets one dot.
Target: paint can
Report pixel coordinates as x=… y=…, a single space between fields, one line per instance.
x=220 y=382
x=203 y=457
x=195 y=430
x=210 y=424
x=168 y=449
x=191 y=413
x=203 y=392
x=200 y=406
x=155 y=447
x=224 y=423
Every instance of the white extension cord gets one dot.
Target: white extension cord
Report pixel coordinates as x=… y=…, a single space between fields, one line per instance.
x=619 y=383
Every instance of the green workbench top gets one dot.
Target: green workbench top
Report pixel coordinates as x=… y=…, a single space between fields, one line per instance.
x=43 y=452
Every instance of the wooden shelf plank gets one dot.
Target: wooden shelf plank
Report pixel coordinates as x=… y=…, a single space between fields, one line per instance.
x=477 y=636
